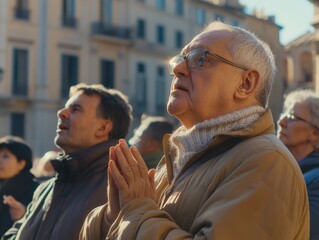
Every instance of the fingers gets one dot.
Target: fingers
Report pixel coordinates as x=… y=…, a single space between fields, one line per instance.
x=17 y=209
x=5 y=199
x=126 y=163
x=11 y=201
x=128 y=173
x=117 y=177
x=129 y=157
x=112 y=196
x=130 y=162
x=151 y=177
x=140 y=162
x=112 y=155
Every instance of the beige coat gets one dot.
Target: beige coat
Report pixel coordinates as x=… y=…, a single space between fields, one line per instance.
x=254 y=190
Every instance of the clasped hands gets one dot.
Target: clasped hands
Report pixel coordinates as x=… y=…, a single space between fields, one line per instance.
x=128 y=178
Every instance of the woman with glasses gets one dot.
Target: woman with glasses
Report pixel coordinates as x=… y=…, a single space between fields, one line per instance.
x=298 y=130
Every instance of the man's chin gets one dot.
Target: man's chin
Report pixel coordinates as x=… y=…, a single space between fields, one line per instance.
x=176 y=107
x=58 y=141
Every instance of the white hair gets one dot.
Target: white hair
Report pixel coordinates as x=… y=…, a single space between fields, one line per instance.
x=309 y=98
x=253 y=53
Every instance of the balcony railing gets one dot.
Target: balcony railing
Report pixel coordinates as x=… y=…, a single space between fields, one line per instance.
x=69 y=21
x=21 y=13
x=111 y=30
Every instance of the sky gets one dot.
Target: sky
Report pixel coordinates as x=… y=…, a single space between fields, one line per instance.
x=295 y=16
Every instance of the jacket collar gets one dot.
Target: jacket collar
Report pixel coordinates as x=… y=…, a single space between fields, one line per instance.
x=76 y=165
x=264 y=125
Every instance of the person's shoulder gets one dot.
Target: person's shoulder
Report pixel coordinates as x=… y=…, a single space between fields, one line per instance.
x=312 y=176
x=266 y=142
x=267 y=149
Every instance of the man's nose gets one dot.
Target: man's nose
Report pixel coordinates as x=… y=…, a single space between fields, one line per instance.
x=62 y=113
x=181 y=69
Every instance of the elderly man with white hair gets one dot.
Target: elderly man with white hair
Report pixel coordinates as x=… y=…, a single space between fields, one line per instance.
x=224 y=174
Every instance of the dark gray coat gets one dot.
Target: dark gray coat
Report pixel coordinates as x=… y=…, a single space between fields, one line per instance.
x=21 y=187
x=61 y=204
x=310 y=169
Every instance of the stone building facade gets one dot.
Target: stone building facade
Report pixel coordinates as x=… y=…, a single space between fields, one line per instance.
x=48 y=46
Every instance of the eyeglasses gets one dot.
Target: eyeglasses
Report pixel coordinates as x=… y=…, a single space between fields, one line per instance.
x=196 y=59
x=293 y=117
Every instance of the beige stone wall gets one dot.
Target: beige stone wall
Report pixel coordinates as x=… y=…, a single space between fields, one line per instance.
x=47 y=43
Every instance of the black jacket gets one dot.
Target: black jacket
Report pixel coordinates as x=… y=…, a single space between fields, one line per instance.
x=308 y=167
x=21 y=187
x=61 y=204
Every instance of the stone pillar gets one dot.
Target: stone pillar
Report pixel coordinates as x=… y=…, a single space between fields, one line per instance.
x=3 y=36
x=43 y=112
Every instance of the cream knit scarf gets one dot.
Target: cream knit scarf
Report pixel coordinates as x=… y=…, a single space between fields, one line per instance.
x=187 y=142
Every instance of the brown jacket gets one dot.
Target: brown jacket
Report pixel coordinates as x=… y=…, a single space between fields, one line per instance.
x=254 y=190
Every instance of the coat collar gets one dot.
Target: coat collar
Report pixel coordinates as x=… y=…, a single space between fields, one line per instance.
x=77 y=165
x=264 y=125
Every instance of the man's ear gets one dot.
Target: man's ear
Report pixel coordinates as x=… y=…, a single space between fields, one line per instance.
x=104 y=128
x=248 y=84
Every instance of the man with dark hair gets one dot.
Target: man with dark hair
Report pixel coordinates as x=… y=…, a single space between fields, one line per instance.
x=92 y=121
x=148 y=138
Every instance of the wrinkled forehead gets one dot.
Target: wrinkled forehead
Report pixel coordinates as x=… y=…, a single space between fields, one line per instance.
x=214 y=40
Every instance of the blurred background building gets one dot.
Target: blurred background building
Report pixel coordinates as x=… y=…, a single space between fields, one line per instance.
x=315 y=45
x=48 y=46
x=301 y=62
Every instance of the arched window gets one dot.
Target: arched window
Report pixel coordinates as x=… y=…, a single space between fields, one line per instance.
x=306 y=66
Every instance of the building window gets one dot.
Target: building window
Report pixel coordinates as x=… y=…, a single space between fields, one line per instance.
x=20 y=72
x=179 y=39
x=160 y=91
x=200 y=16
x=21 y=10
x=69 y=73
x=17 y=124
x=160 y=34
x=107 y=73
x=106 y=11
x=179 y=7
x=141 y=88
x=160 y=4
x=306 y=67
x=141 y=28
x=68 y=13
x=219 y=17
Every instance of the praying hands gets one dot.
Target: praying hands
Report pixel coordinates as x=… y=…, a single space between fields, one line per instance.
x=128 y=178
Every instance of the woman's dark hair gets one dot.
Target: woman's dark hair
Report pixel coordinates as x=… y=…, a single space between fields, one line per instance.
x=18 y=147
